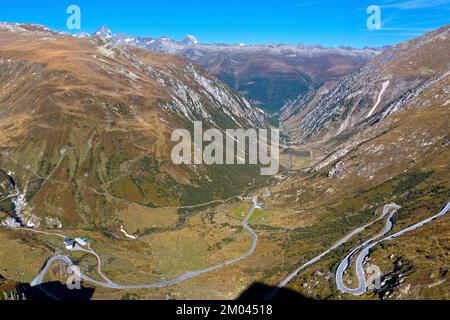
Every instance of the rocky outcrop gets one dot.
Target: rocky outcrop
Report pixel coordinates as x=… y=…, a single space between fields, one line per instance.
x=390 y=82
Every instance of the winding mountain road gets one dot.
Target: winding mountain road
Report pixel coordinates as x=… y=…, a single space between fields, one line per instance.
x=109 y=284
x=320 y=256
x=368 y=245
x=392 y=208
x=360 y=273
x=389 y=209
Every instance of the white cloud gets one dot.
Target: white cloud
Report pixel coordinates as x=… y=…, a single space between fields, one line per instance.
x=417 y=4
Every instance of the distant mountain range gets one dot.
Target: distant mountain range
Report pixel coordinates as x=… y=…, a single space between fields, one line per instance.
x=268 y=75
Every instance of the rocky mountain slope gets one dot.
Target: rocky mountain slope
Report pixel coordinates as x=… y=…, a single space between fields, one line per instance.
x=386 y=84
x=86 y=127
x=268 y=75
x=385 y=134
x=6 y=192
x=85 y=134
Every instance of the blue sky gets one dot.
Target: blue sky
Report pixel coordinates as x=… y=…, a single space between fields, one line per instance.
x=325 y=22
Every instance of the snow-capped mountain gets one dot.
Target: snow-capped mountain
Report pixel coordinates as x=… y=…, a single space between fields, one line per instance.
x=268 y=75
x=190 y=40
x=81 y=35
x=168 y=45
x=103 y=32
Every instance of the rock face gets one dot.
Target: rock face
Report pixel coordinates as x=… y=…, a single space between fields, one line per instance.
x=385 y=130
x=268 y=75
x=390 y=82
x=411 y=75
x=6 y=193
x=85 y=121
x=13 y=290
x=103 y=32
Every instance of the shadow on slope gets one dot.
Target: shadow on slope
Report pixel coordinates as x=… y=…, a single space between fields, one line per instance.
x=259 y=291
x=54 y=291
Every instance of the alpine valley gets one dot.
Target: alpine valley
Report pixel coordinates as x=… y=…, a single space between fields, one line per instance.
x=86 y=175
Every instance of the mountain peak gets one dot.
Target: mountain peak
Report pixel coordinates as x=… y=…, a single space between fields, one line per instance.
x=81 y=35
x=190 y=40
x=103 y=31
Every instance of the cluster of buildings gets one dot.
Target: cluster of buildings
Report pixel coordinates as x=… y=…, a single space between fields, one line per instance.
x=71 y=243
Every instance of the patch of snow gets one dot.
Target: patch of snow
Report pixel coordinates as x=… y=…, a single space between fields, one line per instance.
x=126 y=234
x=436 y=283
x=383 y=88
